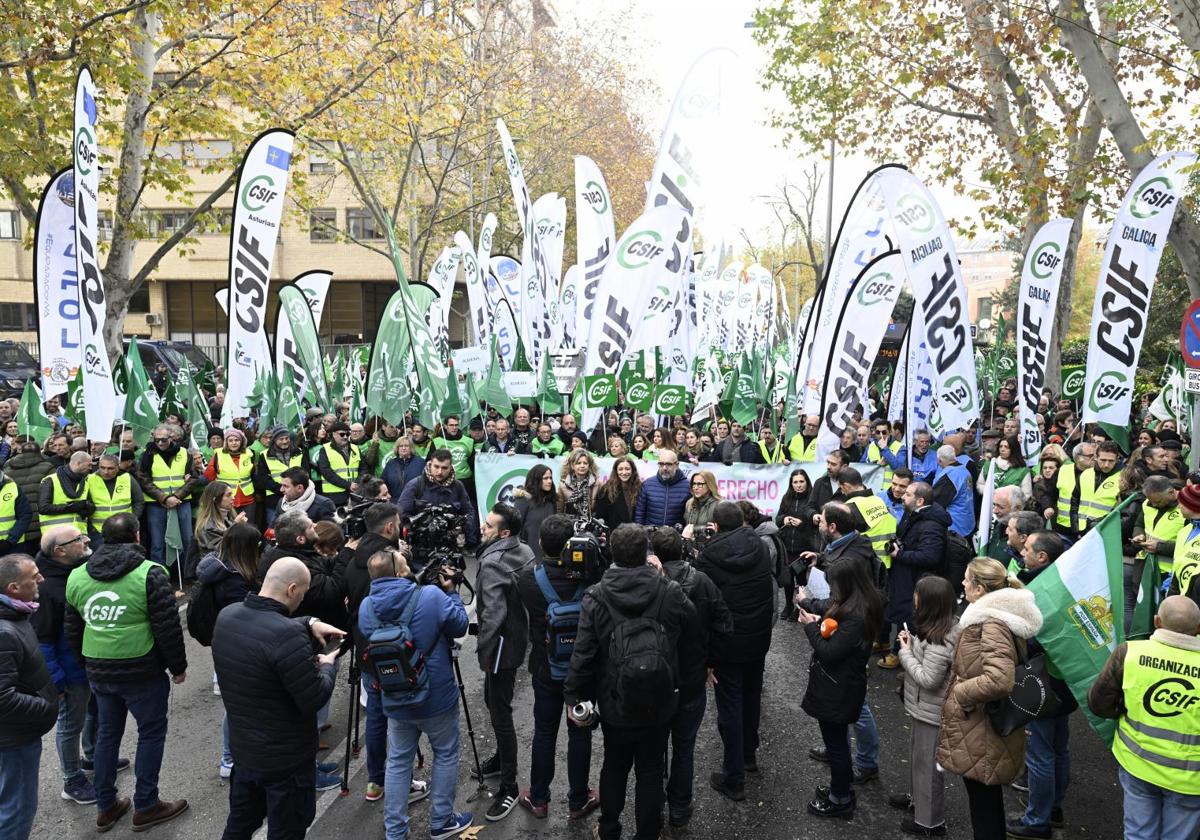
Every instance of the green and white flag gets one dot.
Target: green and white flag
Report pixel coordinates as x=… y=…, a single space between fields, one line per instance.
x=32 y=419
x=744 y=402
x=74 y=406
x=388 y=395
x=1172 y=402
x=1081 y=598
x=297 y=343
x=670 y=400
x=639 y=393
x=600 y=390
x=141 y=409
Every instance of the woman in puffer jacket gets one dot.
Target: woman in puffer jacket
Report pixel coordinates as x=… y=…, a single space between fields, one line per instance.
x=925 y=655
x=1001 y=614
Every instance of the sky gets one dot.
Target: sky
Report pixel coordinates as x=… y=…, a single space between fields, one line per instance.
x=668 y=35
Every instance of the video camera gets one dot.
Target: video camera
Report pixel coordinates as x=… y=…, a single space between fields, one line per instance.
x=437 y=537
x=350 y=517
x=585 y=556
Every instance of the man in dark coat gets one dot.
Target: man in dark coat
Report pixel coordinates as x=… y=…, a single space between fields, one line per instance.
x=28 y=699
x=27 y=468
x=272 y=689
x=827 y=488
x=738 y=563
x=500 y=647
x=920 y=550
x=325 y=597
x=438 y=486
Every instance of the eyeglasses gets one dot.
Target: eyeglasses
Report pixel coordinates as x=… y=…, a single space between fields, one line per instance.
x=162 y=440
x=699 y=484
x=340 y=434
x=80 y=538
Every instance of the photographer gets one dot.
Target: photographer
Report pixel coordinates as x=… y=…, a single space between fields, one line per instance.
x=503 y=635
x=548 y=702
x=437 y=619
x=296 y=537
x=297 y=492
x=637 y=723
x=438 y=486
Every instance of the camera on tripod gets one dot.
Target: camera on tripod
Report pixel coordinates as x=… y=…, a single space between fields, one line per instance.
x=350 y=517
x=437 y=538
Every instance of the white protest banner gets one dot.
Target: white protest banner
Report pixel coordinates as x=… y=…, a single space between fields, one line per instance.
x=506 y=272
x=479 y=315
x=56 y=285
x=471 y=360
x=862 y=323
x=520 y=383
x=923 y=237
x=1036 y=301
x=568 y=306
x=595 y=236
x=257 y=210
x=504 y=330
x=1131 y=256
x=98 y=393
x=550 y=219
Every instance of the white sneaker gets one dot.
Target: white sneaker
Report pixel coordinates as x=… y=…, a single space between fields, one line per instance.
x=226 y=770
x=217 y=689
x=417 y=791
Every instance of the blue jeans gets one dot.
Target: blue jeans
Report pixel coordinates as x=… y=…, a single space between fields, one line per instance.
x=226 y=753
x=377 y=733
x=1048 y=759
x=19 y=789
x=684 y=727
x=1155 y=813
x=156 y=518
x=74 y=720
x=548 y=706
x=442 y=732
x=866 y=739
x=146 y=700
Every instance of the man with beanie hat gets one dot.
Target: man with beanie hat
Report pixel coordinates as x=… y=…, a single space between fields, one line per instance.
x=282 y=455
x=338 y=464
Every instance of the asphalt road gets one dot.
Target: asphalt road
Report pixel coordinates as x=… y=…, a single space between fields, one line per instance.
x=774 y=807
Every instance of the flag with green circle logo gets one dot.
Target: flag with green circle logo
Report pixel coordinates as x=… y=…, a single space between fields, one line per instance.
x=670 y=400
x=600 y=390
x=639 y=393
x=32 y=419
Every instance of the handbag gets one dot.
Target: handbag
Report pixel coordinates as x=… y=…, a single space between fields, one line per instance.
x=1032 y=697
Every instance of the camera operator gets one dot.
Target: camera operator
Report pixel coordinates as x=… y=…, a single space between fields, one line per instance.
x=326 y=597
x=503 y=636
x=437 y=620
x=438 y=486
x=297 y=492
x=635 y=727
x=712 y=619
x=557 y=529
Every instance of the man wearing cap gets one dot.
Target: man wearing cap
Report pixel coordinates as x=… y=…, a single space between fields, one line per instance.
x=282 y=455
x=167 y=476
x=338 y=464
x=770 y=450
x=234 y=466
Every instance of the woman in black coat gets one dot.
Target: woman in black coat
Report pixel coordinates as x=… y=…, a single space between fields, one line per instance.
x=798 y=534
x=535 y=501
x=841 y=631
x=615 y=500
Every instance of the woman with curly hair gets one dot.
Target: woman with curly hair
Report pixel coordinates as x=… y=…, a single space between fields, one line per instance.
x=577 y=484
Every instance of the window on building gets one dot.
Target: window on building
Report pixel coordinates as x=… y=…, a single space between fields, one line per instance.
x=104 y=225
x=318 y=162
x=217 y=222
x=10 y=224
x=167 y=222
x=985 y=308
x=322 y=225
x=140 y=301
x=361 y=225
x=12 y=316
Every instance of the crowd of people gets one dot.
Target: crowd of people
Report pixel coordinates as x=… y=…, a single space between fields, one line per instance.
x=299 y=546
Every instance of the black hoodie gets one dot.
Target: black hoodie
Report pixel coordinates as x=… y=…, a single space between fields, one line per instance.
x=738 y=563
x=713 y=619
x=113 y=561
x=631 y=591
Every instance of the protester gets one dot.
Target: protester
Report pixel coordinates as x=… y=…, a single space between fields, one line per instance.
x=281 y=455
x=697 y=513
x=577 y=484
x=298 y=492
x=1000 y=614
x=216 y=514
x=28 y=698
x=664 y=496
x=1065 y=509
x=325 y=595
x=126 y=652
x=233 y=465
x=535 y=502
x=27 y=468
x=616 y=499
x=1009 y=468
x=110 y=491
x=637 y=724
x=272 y=692
x=167 y=477
x=338 y=463
x=800 y=536
x=919 y=550
x=62 y=496
x=952 y=490
x=402 y=467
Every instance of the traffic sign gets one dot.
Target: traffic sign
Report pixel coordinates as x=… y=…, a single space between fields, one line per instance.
x=1189 y=335
x=1191 y=381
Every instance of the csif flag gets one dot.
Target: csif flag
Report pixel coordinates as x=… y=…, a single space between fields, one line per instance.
x=297 y=345
x=595 y=238
x=56 y=284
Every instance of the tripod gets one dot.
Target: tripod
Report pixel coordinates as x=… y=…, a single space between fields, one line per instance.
x=455 y=648
x=354 y=716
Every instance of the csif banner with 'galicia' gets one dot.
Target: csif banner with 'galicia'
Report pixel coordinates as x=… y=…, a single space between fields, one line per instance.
x=1036 y=302
x=1131 y=256
x=257 y=210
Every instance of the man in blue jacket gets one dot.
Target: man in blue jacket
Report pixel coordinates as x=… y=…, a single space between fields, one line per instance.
x=953 y=489
x=663 y=497
x=924 y=460
x=438 y=619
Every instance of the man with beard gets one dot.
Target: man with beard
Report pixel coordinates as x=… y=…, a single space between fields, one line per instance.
x=1099 y=490
x=803 y=445
x=421 y=442
x=461 y=448
x=326 y=595
x=503 y=637
x=298 y=492
x=735 y=449
x=567 y=428
x=375 y=454
x=438 y=486
x=827 y=488
x=282 y=455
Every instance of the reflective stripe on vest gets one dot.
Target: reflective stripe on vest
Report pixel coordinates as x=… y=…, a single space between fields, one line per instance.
x=1158 y=738
x=1097 y=501
x=8 y=511
x=774 y=457
x=116 y=620
x=881 y=525
x=236 y=475
x=801 y=452
x=875 y=455
x=345 y=470
x=50 y=520
x=1187 y=558
x=1066 y=489
x=277 y=468
x=120 y=501
x=1162 y=525
x=169 y=477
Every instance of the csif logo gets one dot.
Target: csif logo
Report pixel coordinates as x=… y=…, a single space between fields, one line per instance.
x=958 y=394
x=639 y=249
x=258 y=192
x=639 y=392
x=596 y=197
x=1073 y=384
x=103 y=610
x=914 y=212
x=669 y=401
x=599 y=391
x=876 y=289
x=85 y=150
x=92 y=359
x=1155 y=195
x=1045 y=259
x=1169 y=697
x=502 y=491
x=1110 y=387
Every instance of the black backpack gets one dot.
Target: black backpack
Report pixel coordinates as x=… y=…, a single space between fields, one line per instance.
x=959 y=552
x=202 y=613
x=641 y=663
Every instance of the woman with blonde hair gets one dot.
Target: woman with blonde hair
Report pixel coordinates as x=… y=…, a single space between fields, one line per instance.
x=1001 y=614
x=577 y=484
x=697 y=513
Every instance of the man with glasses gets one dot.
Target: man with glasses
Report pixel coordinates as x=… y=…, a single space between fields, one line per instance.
x=803 y=445
x=664 y=496
x=338 y=463
x=110 y=493
x=167 y=476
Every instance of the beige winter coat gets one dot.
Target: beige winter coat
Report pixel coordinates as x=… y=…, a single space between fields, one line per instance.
x=984 y=664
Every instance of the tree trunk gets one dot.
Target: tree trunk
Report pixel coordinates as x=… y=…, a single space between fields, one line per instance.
x=1079 y=37
x=118 y=284
x=1186 y=17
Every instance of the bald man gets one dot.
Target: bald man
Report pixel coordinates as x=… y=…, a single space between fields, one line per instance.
x=1150 y=688
x=272 y=687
